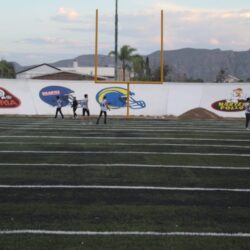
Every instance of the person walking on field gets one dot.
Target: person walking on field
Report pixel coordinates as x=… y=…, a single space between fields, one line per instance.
x=85 y=107
x=247 y=112
x=59 y=104
x=74 y=106
x=104 y=107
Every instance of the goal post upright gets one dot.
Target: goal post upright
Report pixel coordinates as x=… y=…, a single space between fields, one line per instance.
x=127 y=102
x=162 y=46
x=129 y=82
x=96 y=43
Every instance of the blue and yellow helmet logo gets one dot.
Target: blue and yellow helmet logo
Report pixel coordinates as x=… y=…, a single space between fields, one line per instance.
x=117 y=98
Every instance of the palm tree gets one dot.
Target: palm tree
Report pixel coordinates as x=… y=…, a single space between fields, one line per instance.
x=125 y=55
x=139 y=67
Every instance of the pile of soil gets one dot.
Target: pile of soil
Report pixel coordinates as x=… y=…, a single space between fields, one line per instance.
x=199 y=113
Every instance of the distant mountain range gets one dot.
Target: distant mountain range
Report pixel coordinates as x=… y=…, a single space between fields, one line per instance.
x=192 y=63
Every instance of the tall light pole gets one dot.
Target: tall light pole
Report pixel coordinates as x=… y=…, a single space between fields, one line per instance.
x=116 y=39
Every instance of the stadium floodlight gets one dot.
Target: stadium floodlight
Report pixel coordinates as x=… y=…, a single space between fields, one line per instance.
x=128 y=82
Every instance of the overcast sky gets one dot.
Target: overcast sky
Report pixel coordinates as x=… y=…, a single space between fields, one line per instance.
x=34 y=32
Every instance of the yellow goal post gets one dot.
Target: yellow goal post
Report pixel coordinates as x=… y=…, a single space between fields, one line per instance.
x=128 y=82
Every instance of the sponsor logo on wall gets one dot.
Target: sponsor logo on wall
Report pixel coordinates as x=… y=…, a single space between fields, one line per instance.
x=8 y=100
x=117 y=98
x=235 y=103
x=49 y=94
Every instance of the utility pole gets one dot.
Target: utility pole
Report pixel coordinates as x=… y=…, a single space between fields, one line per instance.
x=116 y=39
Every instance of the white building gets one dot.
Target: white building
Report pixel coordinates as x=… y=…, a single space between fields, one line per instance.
x=105 y=72
x=231 y=79
x=38 y=70
x=46 y=69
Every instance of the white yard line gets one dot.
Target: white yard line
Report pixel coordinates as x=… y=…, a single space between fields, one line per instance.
x=87 y=127
x=184 y=130
x=130 y=124
x=124 y=138
x=117 y=153
x=126 y=144
x=190 y=189
x=123 y=233
x=121 y=165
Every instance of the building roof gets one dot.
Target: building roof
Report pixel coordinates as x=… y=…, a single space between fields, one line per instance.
x=67 y=76
x=37 y=66
x=232 y=77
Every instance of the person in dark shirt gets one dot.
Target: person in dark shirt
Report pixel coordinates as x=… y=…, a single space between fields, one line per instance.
x=247 y=112
x=74 y=106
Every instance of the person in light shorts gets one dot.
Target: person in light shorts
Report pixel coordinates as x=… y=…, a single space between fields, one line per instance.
x=59 y=104
x=104 y=107
x=85 y=107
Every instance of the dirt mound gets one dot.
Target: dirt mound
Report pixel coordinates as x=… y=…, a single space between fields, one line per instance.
x=199 y=113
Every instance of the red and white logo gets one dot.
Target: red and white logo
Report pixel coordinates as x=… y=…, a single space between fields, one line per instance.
x=8 y=100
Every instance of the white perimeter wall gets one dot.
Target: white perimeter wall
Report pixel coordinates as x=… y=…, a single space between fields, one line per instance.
x=167 y=99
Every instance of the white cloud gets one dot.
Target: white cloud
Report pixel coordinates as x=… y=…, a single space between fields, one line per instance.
x=66 y=15
x=54 y=42
x=184 y=27
x=189 y=27
x=214 y=41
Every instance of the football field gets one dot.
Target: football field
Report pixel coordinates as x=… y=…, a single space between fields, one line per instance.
x=131 y=184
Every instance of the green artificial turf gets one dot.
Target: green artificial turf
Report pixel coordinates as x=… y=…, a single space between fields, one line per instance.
x=123 y=210
x=121 y=243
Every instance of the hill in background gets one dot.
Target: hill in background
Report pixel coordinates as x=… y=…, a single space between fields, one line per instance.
x=183 y=63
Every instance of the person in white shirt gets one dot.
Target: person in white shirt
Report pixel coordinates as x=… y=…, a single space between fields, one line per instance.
x=247 y=112
x=59 y=104
x=85 y=107
x=104 y=107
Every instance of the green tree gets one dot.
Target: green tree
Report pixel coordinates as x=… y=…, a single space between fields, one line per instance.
x=148 y=69
x=157 y=73
x=7 y=70
x=221 y=75
x=194 y=80
x=138 y=64
x=125 y=55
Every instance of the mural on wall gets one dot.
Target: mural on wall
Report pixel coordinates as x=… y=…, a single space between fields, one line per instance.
x=37 y=97
x=234 y=103
x=117 y=98
x=49 y=94
x=8 y=100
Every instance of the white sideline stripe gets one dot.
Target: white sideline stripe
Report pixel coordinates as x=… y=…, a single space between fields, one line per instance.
x=192 y=189
x=87 y=127
x=194 y=130
x=122 y=165
x=117 y=233
x=124 y=124
x=128 y=144
x=124 y=138
x=118 y=152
